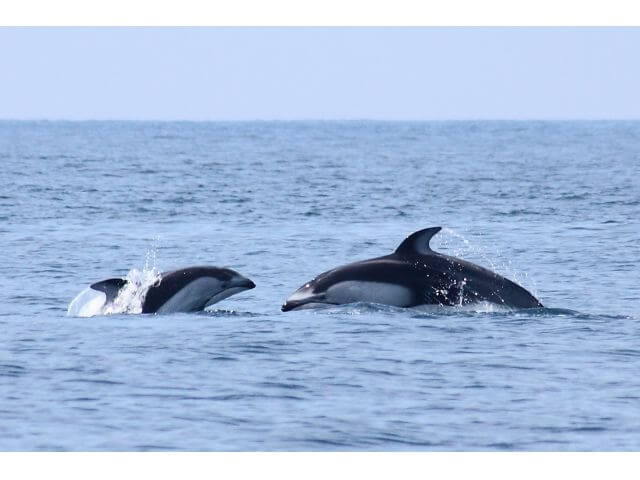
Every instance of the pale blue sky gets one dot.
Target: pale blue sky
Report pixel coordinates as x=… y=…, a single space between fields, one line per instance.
x=319 y=73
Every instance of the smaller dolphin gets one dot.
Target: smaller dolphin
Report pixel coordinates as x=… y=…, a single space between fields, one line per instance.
x=185 y=290
x=412 y=275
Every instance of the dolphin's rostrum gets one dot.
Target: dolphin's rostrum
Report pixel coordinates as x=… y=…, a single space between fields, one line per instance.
x=413 y=275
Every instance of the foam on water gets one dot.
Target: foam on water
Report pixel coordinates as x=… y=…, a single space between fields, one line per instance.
x=358 y=308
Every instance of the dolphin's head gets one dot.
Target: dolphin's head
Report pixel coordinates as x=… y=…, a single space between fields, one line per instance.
x=306 y=296
x=230 y=282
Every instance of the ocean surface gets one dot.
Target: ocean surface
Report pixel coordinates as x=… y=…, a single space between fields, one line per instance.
x=554 y=206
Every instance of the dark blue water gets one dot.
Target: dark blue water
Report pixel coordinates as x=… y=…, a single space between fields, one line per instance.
x=554 y=206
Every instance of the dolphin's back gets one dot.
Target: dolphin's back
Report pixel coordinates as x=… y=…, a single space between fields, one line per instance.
x=469 y=283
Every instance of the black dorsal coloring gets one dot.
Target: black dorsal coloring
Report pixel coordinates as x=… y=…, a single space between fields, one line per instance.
x=110 y=287
x=418 y=242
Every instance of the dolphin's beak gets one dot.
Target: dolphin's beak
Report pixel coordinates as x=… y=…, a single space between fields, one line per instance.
x=246 y=283
x=293 y=304
x=286 y=306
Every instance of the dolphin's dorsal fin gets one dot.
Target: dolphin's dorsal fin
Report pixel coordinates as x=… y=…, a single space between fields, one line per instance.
x=110 y=287
x=418 y=242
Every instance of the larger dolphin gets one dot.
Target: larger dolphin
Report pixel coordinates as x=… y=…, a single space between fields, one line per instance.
x=412 y=275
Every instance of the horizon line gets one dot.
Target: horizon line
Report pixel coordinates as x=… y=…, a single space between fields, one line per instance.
x=327 y=119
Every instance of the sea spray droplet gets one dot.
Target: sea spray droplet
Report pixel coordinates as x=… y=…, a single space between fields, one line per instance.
x=492 y=258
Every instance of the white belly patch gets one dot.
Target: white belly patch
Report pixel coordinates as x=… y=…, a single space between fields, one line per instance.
x=374 y=292
x=193 y=296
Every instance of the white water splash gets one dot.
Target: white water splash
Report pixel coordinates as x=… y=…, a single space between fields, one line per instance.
x=90 y=303
x=461 y=286
x=459 y=246
x=132 y=295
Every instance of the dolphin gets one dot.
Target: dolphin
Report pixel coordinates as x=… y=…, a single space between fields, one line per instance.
x=412 y=275
x=185 y=290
